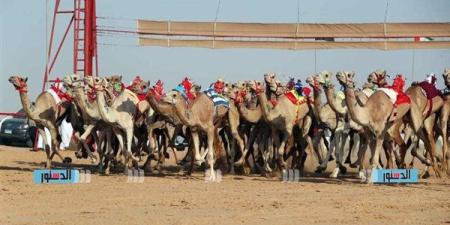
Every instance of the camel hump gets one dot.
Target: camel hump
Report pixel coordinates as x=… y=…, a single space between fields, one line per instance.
x=132 y=95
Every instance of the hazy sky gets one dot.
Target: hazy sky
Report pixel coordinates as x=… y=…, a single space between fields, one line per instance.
x=23 y=41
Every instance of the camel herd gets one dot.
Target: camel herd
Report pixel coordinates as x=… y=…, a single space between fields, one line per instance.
x=259 y=127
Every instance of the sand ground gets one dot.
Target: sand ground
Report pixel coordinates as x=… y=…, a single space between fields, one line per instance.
x=174 y=199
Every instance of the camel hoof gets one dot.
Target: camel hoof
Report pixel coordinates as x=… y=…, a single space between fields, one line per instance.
x=67 y=160
x=335 y=173
x=199 y=162
x=79 y=155
x=426 y=175
x=320 y=169
x=362 y=176
x=343 y=169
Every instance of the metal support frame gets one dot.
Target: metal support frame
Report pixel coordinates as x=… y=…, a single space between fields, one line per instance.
x=83 y=22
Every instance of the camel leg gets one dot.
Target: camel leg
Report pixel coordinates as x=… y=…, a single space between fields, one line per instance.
x=376 y=152
x=211 y=135
x=443 y=127
x=364 y=141
x=129 y=154
x=196 y=139
x=83 y=138
x=281 y=147
x=356 y=145
x=46 y=147
x=415 y=144
x=339 y=146
x=119 y=136
x=324 y=164
x=250 y=143
x=55 y=143
x=431 y=143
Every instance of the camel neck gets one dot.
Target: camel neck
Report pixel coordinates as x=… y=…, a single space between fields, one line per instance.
x=251 y=115
x=329 y=94
x=182 y=112
x=27 y=105
x=317 y=101
x=84 y=104
x=357 y=113
x=103 y=109
x=263 y=104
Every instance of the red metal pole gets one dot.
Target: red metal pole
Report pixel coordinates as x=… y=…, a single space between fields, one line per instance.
x=95 y=36
x=50 y=44
x=88 y=36
x=60 y=45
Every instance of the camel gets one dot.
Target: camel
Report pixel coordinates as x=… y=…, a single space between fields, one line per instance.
x=282 y=118
x=87 y=105
x=45 y=112
x=421 y=118
x=200 y=114
x=255 y=126
x=443 y=120
x=374 y=115
x=331 y=120
x=120 y=115
x=166 y=118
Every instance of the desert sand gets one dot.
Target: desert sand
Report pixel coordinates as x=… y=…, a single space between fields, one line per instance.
x=172 y=198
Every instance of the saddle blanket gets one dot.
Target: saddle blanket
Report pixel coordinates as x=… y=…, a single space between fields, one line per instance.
x=430 y=90
x=390 y=93
x=218 y=99
x=395 y=97
x=295 y=98
x=54 y=95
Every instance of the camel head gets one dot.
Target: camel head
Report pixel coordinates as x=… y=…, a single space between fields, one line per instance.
x=312 y=81
x=446 y=76
x=172 y=97
x=269 y=77
x=72 y=81
x=256 y=87
x=345 y=78
x=325 y=78
x=114 y=79
x=19 y=83
x=238 y=92
x=378 y=77
x=94 y=82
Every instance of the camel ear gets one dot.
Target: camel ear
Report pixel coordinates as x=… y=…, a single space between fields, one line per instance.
x=26 y=79
x=352 y=73
x=120 y=78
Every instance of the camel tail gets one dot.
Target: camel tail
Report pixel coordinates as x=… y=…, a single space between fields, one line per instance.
x=219 y=152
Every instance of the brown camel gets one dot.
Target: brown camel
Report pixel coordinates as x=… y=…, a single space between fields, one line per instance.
x=85 y=101
x=200 y=114
x=120 y=115
x=45 y=112
x=282 y=118
x=252 y=117
x=422 y=117
x=331 y=120
x=374 y=115
x=166 y=118
x=443 y=121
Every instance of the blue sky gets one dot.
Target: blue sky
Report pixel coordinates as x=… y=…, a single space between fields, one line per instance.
x=23 y=41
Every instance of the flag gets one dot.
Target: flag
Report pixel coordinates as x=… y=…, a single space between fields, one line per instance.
x=422 y=39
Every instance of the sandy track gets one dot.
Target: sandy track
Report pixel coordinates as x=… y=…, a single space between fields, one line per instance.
x=174 y=199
